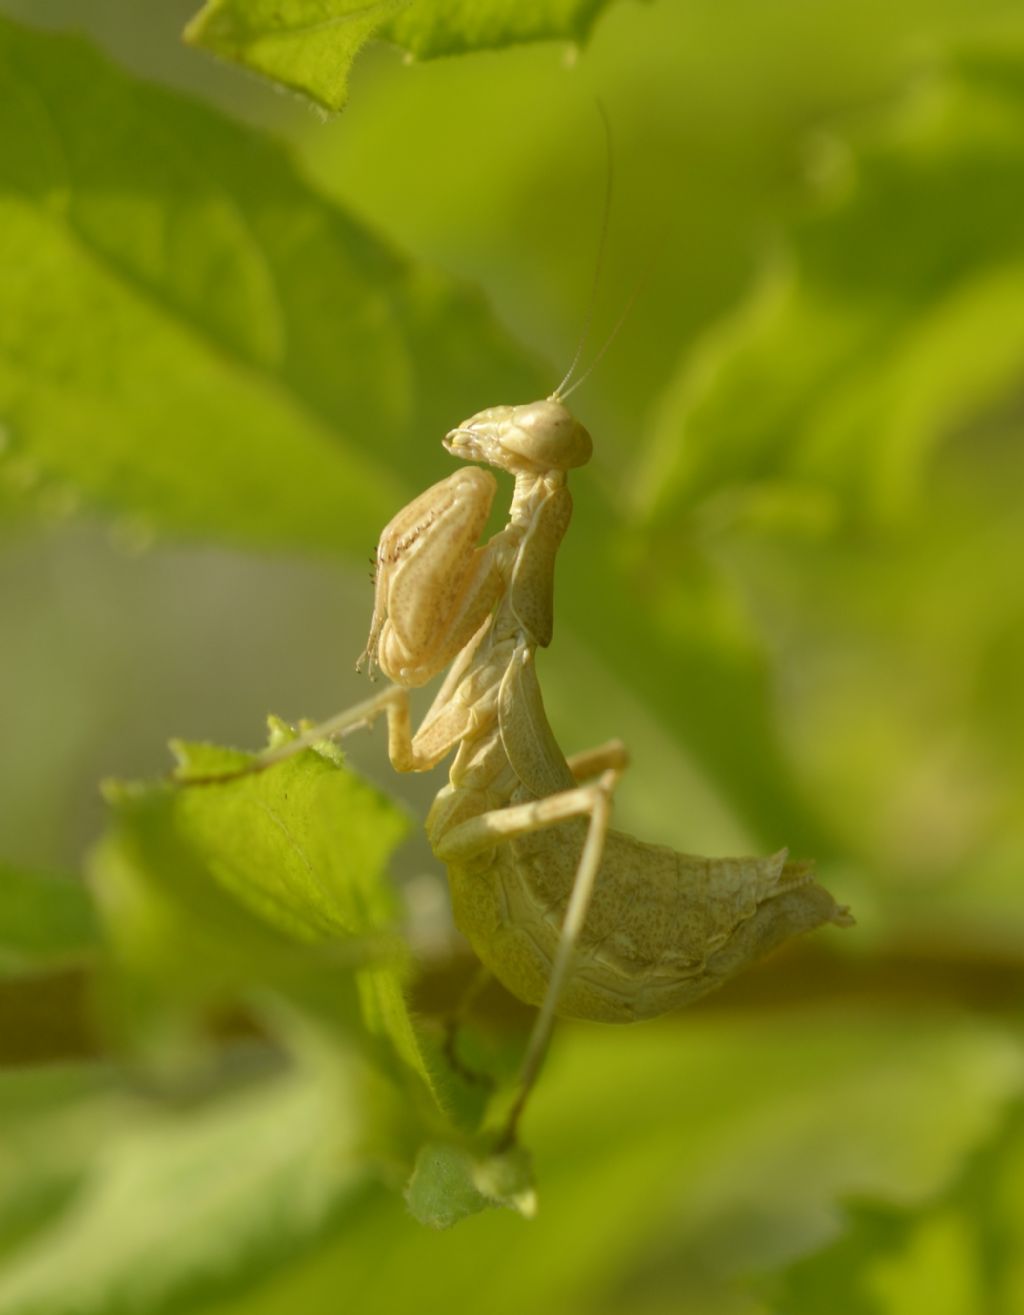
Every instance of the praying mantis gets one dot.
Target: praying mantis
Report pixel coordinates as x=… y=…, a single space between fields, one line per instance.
x=570 y=915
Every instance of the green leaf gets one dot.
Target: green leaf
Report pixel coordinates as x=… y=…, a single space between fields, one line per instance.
x=265 y=889
x=881 y=329
x=193 y=336
x=441 y=1190
x=430 y=28
x=449 y=1183
x=46 y=921
x=302 y=844
x=310 y=45
x=214 y=893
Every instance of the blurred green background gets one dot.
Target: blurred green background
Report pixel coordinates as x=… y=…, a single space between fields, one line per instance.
x=793 y=585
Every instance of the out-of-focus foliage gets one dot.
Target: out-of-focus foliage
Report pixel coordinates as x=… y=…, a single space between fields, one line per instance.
x=792 y=585
x=958 y=1253
x=144 y=1201
x=882 y=329
x=45 y=920
x=708 y=1186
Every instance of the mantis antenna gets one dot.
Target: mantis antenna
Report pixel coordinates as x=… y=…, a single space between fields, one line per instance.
x=604 y=347
x=566 y=388
x=606 y=211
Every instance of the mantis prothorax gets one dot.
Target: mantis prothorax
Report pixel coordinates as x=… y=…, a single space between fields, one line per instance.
x=569 y=915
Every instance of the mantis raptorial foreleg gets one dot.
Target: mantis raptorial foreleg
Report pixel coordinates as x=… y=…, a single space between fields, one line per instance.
x=434 y=591
x=434 y=587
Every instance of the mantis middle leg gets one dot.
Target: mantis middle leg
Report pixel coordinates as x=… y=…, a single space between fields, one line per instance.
x=481 y=832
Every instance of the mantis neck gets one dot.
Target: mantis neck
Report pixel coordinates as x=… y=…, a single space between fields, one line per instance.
x=532 y=489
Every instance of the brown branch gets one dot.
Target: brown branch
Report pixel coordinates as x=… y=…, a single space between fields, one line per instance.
x=49 y=1018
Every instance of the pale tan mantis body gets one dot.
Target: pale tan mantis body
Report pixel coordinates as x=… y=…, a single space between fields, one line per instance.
x=581 y=920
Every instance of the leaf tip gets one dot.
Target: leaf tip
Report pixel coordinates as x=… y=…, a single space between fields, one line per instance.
x=449 y=1183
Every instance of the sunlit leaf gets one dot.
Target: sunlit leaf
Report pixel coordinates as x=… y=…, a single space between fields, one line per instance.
x=214 y=891
x=439 y=27
x=310 y=45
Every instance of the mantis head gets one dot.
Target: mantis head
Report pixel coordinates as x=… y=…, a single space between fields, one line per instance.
x=536 y=437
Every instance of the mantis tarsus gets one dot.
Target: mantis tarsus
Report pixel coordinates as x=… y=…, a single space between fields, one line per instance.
x=569 y=915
